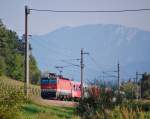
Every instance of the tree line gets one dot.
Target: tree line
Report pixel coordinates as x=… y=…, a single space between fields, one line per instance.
x=12 y=56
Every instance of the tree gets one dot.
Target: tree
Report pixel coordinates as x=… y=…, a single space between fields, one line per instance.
x=130 y=89
x=2 y=66
x=12 y=56
x=145 y=85
x=34 y=71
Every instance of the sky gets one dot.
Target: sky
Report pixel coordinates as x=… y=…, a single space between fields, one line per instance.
x=40 y=23
x=12 y=14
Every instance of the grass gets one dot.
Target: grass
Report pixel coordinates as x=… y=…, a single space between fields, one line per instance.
x=12 y=82
x=34 y=109
x=6 y=83
x=31 y=111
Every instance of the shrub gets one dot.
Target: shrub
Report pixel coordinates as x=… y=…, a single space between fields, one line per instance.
x=120 y=112
x=144 y=106
x=10 y=103
x=97 y=101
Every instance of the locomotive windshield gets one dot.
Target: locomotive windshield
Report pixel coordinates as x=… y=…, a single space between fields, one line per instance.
x=48 y=81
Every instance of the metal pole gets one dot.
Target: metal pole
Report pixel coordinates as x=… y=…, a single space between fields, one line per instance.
x=27 y=11
x=140 y=88
x=104 y=80
x=137 y=94
x=82 y=66
x=118 y=78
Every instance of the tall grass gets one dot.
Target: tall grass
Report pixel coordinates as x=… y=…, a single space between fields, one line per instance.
x=10 y=103
x=7 y=83
x=102 y=107
x=14 y=105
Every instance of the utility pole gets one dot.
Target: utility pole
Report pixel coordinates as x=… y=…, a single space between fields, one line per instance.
x=137 y=86
x=118 y=78
x=27 y=12
x=82 y=68
x=104 y=80
x=140 y=91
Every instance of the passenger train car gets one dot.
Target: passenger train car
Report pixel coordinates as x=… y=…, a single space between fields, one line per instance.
x=57 y=87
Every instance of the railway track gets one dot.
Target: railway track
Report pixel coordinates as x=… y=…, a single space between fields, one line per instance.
x=45 y=102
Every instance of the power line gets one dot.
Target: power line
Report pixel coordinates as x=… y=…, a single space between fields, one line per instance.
x=90 y=11
x=55 y=52
x=60 y=68
x=94 y=61
x=54 y=43
x=109 y=75
x=70 y=63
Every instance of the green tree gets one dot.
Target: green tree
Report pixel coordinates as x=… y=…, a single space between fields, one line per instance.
x=34 y=71
x=2 y=66
x=17 y=67
x=12 y=56
x=145 y=85
x=130 y=89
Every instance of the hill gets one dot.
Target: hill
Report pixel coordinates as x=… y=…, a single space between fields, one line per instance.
x=7 y=83
x=107 y=44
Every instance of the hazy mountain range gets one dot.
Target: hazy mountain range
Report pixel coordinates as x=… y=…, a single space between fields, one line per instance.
x=107 y=44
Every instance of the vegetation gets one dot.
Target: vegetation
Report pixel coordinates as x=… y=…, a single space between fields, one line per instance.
x=14 y=105
x=34 y=111
x=145 y=85
x=130 y=89
x=100 y=104
x=10 y=84
x=98 y=100
x=12 y=56
x=10 y=102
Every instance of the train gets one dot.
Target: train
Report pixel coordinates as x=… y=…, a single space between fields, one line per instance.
x=58 y=87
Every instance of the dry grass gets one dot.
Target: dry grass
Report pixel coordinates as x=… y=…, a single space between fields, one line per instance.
x=8 y=83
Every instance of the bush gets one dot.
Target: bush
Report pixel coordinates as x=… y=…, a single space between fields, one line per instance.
x=97 y=101
x=144 y=106
x=10 y=103
x=99 y=105
x=121 y=112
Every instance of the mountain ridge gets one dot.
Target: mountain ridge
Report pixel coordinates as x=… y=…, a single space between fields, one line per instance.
x=107 y=44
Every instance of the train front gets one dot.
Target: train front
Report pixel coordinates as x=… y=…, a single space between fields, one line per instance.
x=49 y=86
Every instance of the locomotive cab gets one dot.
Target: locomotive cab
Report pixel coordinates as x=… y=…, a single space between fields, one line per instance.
x=48 y=87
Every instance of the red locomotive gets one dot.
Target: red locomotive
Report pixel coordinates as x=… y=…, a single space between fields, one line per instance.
x=58 y=87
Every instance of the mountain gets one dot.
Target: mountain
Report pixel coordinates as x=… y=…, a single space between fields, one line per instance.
x=107 y=44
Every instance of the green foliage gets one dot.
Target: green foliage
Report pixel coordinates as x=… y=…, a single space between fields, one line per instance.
x=2 y=66
x=10 y=103
x=98 y=100
x=12 y=56
x=143 y=106
x=34 y=72
x=130 y=89
x=129 y=113
x=16 y=67
x=34 y=111
x=145 y=86
x=130 y=110
x=102 y=106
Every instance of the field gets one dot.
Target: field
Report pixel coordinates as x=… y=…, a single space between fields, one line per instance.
x=33 y=111
x=37 y=108
x=8 y=83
